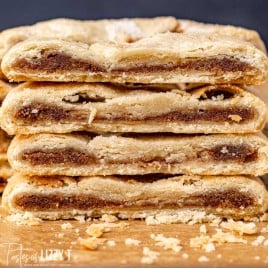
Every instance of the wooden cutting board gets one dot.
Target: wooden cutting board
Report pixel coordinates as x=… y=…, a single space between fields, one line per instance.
x=24 y=245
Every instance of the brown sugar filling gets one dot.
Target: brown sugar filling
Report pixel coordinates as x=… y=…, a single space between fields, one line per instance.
x=230 y=198
x=54 y=61
x=39 y=112
x=220 y=64
x=77 y=157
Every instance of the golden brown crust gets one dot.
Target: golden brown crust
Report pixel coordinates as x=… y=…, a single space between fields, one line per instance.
x=67 y=107
x=83 y=155
x=162 y=58
x=57 y=197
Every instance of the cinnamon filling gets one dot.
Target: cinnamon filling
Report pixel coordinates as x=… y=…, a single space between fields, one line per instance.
x=230 y=198
x=54 y=61
x=73 y=156
x=39 y=112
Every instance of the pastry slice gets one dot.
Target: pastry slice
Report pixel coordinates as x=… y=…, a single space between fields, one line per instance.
x=168 y=198
x=161 y=58
x=85 y=155
x=67 y=107
x=117 y=30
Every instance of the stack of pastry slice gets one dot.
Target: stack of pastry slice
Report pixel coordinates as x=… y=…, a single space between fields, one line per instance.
x=161 y=126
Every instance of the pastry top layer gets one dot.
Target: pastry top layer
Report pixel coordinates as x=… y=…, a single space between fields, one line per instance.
x=88 y=31
x=189 y=26
x=118 y=30
x=177 y=57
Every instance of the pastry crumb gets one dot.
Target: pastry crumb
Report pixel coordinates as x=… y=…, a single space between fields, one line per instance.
x=203 y=229
x=264 y=229
x=167 y=242
x=132 y=242
x=258 y=241
x=81 y=219
x=210 y=247
x=90 y=243
x=149 y=256
x=111 y=243
x=108 y=218
x=60 y=235
x=67 y=225
x=26 y=218
x=185 y=256
x=96 y=230
x=203 y=259
x=239 y=226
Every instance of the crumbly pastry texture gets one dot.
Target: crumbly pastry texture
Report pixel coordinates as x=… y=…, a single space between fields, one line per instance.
x=129 y=154
x=161 y=58
x=68 y=107
x=245 y=197
x=117 y=30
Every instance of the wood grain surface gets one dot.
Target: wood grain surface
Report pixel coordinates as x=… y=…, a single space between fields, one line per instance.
x=24 y=245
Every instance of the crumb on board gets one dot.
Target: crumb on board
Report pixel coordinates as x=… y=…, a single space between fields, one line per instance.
x=203 y=229
x=167 y=242
x=239 y=226
x=149 y=256
x=91 y=243
x=111 y=243
x=96 y=230
x=203 y=259
x=185 y=256
x=67 y=225
x=264 y=229
x=258 y=241
x=210 y=247
x=207 y=242
x=132 y=242
x=26 y=218
x=60 y=235
x=108 y=218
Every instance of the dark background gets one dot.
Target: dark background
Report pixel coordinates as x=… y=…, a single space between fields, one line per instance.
x=248 y=13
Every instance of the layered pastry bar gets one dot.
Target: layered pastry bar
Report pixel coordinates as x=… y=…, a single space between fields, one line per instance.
x=182 y=198
x=117 y=30
x=161 y=58
x=67 y=107
x=129 y=154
